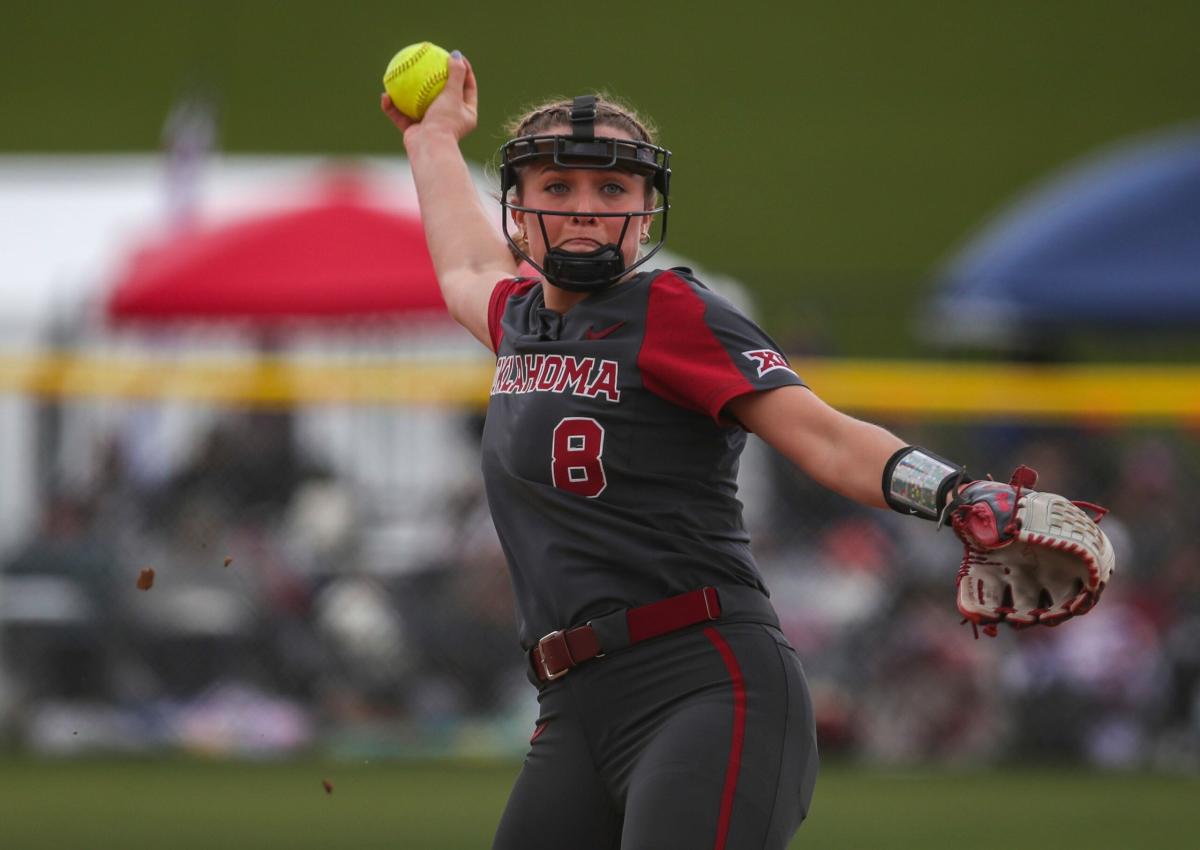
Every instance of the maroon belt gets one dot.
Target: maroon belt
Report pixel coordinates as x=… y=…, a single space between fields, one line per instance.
x=560 y=651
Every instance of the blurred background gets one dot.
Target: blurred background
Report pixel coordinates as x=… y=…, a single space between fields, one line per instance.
x=223 y=359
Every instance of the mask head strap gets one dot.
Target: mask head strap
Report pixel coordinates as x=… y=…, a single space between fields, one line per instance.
x=583 y=118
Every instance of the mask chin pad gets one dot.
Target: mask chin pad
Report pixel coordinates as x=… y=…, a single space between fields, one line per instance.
x=574 y=270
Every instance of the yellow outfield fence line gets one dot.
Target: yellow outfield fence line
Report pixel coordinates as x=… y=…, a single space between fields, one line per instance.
x=888 y=387
x=993 y=390
x=246 y=381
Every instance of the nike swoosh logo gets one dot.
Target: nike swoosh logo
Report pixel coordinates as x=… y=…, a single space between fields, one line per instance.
x=603 y=332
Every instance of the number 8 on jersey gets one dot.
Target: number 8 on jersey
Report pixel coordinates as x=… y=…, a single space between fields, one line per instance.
x=575 y=460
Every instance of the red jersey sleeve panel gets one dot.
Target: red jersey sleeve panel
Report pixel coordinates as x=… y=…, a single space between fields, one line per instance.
x=504 y=290
x=689 y=346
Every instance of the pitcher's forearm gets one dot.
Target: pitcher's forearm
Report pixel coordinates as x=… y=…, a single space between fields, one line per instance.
x=460 y=234
x=845 y=454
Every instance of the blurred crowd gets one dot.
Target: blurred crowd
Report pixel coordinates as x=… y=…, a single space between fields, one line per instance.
x=274 y=624
x=286 y=608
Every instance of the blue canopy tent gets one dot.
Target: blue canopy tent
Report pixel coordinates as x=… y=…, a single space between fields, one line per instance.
x=1113 y=243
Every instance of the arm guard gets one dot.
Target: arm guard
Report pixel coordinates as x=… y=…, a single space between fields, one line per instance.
x=918 y=483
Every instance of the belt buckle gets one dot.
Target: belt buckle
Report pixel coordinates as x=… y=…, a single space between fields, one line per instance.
x=541 y=645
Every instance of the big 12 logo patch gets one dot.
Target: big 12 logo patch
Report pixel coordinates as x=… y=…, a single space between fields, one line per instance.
x=767 y=360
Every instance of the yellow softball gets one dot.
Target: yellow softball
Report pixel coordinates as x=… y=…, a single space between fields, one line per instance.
x=415 y=76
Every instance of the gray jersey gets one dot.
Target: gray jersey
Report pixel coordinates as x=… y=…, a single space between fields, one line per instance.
x=610 y=467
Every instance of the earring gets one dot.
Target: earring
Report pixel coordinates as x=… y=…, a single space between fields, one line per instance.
x=645 y=240
x=522 y=241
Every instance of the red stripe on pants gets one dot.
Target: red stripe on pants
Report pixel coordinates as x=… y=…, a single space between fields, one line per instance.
x=739 y=733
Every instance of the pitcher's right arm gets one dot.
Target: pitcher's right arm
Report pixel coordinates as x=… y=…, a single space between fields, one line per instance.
x=469 y=254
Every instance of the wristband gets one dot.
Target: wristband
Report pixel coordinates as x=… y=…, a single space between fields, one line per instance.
x=917 y=482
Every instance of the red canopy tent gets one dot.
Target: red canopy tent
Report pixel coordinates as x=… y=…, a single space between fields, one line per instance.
x=337 y=257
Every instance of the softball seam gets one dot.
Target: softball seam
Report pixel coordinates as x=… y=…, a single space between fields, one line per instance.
x=424 y=96
x=418 y=54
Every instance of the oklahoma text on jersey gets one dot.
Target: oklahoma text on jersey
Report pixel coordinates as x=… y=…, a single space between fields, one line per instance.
x=556 y=373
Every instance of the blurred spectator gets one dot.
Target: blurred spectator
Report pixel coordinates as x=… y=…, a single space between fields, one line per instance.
x=1092 y=690
x=928 y=693
x=55 y=607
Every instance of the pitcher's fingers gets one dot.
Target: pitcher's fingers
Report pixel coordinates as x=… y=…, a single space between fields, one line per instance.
x=456 y=73
x=470 y=85
x=397 y=117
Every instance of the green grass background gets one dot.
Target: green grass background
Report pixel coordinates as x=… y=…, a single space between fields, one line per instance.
x=127 y=805
x=829 y=153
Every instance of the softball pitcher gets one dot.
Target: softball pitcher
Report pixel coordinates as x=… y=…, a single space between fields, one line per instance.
x=673 y=712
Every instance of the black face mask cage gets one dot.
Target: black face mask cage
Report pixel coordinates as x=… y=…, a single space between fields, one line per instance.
x=592 y=270
x=586 y=271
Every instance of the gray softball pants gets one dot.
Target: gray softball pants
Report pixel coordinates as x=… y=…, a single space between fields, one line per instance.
x=702 y=739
